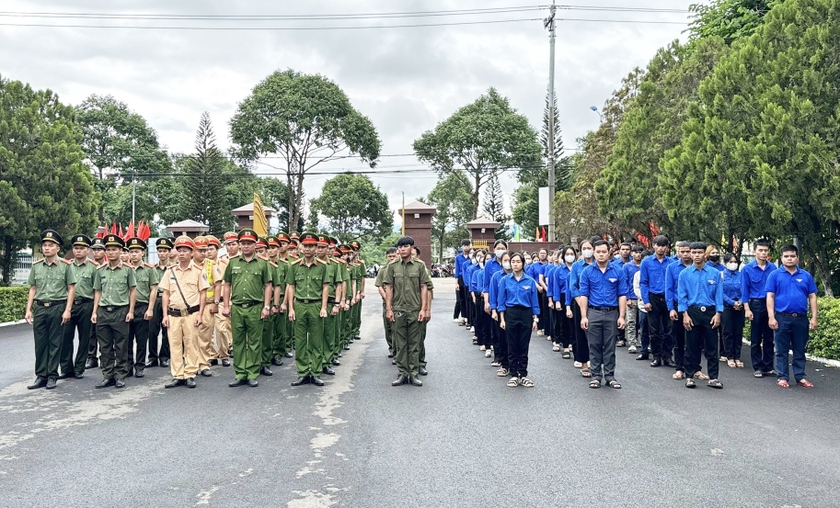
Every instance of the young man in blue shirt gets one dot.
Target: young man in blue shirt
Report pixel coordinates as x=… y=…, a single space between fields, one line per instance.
x=603 y=292
x=790 y=293
x=631 y=331
x=753 y=291
x=672 y=274
x=652 y=285
x=460 y=286
x=700 y=301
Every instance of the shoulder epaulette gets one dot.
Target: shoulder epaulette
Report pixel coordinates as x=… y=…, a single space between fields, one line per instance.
x=39 y=261
x=272 y=263
x=147 y=265
x=67 y=261
x=297 y=261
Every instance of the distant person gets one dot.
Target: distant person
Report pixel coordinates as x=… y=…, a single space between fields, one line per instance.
x=753 y=290
x=733 y=313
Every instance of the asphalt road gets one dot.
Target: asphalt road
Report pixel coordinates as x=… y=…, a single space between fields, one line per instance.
x=463 y=439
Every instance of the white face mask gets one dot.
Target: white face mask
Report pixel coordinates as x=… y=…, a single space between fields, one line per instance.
x=732 y=266
x=587 y=253
x=499 y=253
x=506 y=265
x=570 y=258
x=474 y=261
x=527 y=261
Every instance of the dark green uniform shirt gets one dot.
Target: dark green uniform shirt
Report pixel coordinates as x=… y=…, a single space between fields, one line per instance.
x=332 y=276
x=146 y=277
x=308 y=280
x=280 y=275
x=247 y=279
x=406 y=279
x=51 y=280
x=115 y=284
x=85 y=274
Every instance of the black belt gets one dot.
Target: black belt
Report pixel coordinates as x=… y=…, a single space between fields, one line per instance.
x=791 y=314
x=49 y=303
x=758 y=299
x=702 y=308
x=308 y=301
x=605 y=309
x=331 y=300
x=183 y=312
x=248 y=305
x=112 y=308
x=78 y=301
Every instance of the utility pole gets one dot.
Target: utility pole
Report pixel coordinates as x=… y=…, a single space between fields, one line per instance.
x=550 y=24
x=133 y=193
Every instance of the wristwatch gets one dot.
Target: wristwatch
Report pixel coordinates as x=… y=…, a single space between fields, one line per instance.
x=266 y=307
x=215 y=302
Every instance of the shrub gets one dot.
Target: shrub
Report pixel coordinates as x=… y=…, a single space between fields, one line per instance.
x=825 y=340
x=13 y=303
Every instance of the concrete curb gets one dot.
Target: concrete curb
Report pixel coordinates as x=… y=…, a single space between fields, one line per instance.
x=825 y=361
x=13 y=323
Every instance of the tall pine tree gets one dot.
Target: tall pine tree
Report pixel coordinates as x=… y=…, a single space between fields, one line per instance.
x=204 y=182
x=494 y=205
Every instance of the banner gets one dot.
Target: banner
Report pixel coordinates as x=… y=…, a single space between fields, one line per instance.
x=260 y=222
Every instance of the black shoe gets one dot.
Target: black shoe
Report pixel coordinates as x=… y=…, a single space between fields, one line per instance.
x=50 y=384
x=79 y=375
x=335 y=362
x=657 y=362
x=214 y=362
x=390 y=355
x=91 y=364
x=66 y=375
x=139 y=373
x=253 y=383
x=357 y=338
x=276 y=361
x=423 y=371
x=347 y=347
x=130 y=373
x=265 y=371
x=400 y=381
x=393 y=362
x=769 y=372
x=225 y=363
x=105 y=383
x=164 y=363
x=238 y=382
x=190 y=382
x=643 y=356
x=289 y=355
x=415 y=381
x=206 y=373
x=119 y=383
x=301 y=381
x=152 y=363
x=174 y=383
x=667 y=362
x=328 y=371
x=315 y=380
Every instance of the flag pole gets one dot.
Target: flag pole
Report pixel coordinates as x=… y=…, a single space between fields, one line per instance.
x=403 y=214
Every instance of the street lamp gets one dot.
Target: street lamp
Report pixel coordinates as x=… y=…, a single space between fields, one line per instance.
x=595 y=109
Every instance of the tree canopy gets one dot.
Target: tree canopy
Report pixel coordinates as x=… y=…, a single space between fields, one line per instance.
x=354 y=208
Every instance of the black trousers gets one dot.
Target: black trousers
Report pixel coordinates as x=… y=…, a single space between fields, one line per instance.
x=762 y=345
x=733 y=332
x=47 y=328
x=518 y=322
x=112 y=333
x=138 y=336
x=659 y=323
x=581 y=341
x=463 y=290
x=482 y=323
x=79 y=320
x=562 y=325
x=500 y=347
x=678 y=332
x=155 y=329
x=545 y=318
x=701 y=338
x=457 y=313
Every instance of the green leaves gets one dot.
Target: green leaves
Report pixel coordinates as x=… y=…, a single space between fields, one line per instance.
x=355 y=208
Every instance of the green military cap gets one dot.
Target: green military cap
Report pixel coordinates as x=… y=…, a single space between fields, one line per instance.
x=282 y=236
x=81 y=240
x=114 y=241
x=273 y=241
x=51 y=235
x=248 y=235
x=323 y=241
x=344 y=248
x=333 y=241
x=164 y=243
x=136 y=243
x=355 y=245
x=309 y=239
x=295 y=236
x=97 y=243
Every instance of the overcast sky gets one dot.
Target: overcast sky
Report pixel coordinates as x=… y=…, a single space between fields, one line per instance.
x=406 y=80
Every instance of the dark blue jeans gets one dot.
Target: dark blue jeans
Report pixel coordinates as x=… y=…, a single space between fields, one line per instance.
x=791 y=335
x=644 y=331
x=761 y=337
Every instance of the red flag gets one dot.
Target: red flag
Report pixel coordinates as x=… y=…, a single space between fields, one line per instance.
x=114 y=228
x=542 y=234
x=129 y=232
x=145 y=232
x=100 y=234
x=121 y=232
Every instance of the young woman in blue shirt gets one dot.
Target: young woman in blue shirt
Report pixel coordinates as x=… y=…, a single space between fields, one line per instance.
x=519 y=312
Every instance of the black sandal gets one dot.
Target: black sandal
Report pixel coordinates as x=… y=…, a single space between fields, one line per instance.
x=614 y=384
x=689 y=383
x=714 y=383
x=595 y=384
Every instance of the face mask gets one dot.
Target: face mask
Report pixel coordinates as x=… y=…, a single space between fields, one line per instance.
x=732 y=266
x=499 y=253
x=570 y=258
x=506 y=265
x=528 y=262
x=587 y=253
x=714 y=259
x=474 y=261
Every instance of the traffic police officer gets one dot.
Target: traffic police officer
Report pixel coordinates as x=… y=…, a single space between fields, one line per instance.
x=160 y=356
x=146 y=278
x=52 y=286
x=113 y=310
x=84 y=271
x=204 y=336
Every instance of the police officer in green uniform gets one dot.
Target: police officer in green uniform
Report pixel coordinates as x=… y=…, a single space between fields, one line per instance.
x=84 y=270
x=160 y=356
x=307 y=292
x=406 y=303
x=322 y=250
x=113 y=310
x=390 y=257
x=247 y=297
x=97 y=247
x=361 y=273
x=345 y=329
x=52 y=287
x=268 y=325
x=342 y=276
x=147 y=280
x=430 y=286
x=280 y=347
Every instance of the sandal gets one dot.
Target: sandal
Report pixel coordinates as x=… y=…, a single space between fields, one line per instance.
x=502 y=372
x=595 y=384
x=514 y=382
x=483 y=348
x=614 y=384
x=739 y=364
x=689 y=383
x=586 y=373
x=566 y=355
x=731 y=364
x=577 y=365
x=804 y=383
x=724 y=359
x=699 y=375
x=556 y=347
x=496 y=364
x=783 y=383
x=714 y=383
x=527 y=383
x=678 y=375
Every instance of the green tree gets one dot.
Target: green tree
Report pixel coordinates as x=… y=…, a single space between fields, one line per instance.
x=354 y=208
x=118 y=144
x=44 y=182
x=481 y=139
x=307 y=120
x=493 y=207
x=729 y=20
x=452 y=197
x=762 y=142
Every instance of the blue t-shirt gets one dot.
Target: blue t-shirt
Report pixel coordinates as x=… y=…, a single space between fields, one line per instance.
x=652 y=278
x=603 y=289
x=791 y=290
x=731 y=287
x=558 y=282
x=493 y=289
x=490 y=268
x=754 y=280
x=672 y=275
x=630 y=270
x=515 y=293
x=701 y=287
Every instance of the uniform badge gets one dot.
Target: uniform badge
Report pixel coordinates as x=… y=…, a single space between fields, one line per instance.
x=612 y=279
x=526 y=287
x=712 y=281
x=798 y=280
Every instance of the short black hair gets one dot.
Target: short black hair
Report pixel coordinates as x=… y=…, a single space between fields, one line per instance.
x=417 y=249
x=405 y=240
x=391 y=250
x=698 y=246
x=790 y=248
x=626 y=243
x=465 y=243
x=762 y=242
x=500 y=241
x=661 y=240
x=598 y=243
x=683 y=243
x=520 y=255
x=594 y=239
x=727 y=257
x=637 y=248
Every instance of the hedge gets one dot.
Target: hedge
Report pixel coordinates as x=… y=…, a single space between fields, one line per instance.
x=825 y=340
x=13 y=303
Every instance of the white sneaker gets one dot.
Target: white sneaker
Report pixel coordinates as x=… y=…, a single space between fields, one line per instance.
x=631 y=349
x=540 y=333
x=548 y=337
x=488 y=354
